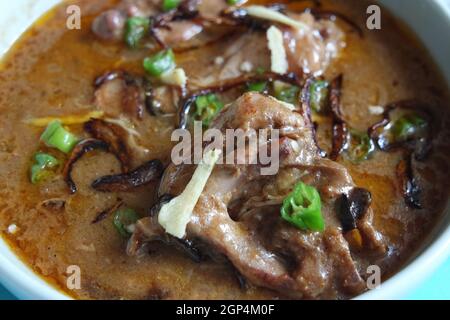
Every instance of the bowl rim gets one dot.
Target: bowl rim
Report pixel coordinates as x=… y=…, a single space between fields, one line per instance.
x=21 y=280
x=18 y=277
x=436 y=247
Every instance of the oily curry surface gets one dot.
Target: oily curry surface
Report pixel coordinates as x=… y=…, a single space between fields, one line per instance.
x=50 y=72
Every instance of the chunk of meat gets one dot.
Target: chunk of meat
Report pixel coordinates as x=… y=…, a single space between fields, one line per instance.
x=110 y=24
x=250 y=234
x=242 y=53
x=164 y=100
x=211 y=9
x=318 y=263
x=118 y=92
x=141 y=8
x=311 y=50
x=174 y=31
x=177 y=32
x=183 y=35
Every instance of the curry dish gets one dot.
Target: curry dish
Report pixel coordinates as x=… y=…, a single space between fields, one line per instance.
x=86 y=176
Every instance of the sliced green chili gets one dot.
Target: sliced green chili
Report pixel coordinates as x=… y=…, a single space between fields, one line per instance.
x=168 y=5
x=40 y=168
x=257 y=86
x=407 y=126
x=135 y=30
x=361 y=146
x=318 y=95
x=233 y=2
x=286 y=92
x=207 y=106
x=303 y=208
x=159 y=63
x=123 y=219
x=404 y=126
x=57 y=137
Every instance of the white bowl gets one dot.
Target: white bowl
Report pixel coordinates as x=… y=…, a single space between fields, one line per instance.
x=429 y=19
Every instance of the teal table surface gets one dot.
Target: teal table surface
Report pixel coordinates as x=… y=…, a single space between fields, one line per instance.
x=437 y=286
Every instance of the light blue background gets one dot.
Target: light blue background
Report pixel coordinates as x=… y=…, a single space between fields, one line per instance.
x=437 y=286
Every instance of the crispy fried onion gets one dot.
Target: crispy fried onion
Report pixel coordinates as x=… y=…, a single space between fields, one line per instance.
x=140 y=176
x=111 y=138
x=262 y=16
x=52 y=205
x=340 y=128
x=107 y=137
x=105 y=213
x=187 y=10
x=391 y=134
x=306 y=113
x=114 y=137
x=407 y=127
x=353 y=206
x=408 y=183
x=80 y=149
x=241 y=16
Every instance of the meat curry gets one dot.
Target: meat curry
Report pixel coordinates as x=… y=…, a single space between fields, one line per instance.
x=85 y=148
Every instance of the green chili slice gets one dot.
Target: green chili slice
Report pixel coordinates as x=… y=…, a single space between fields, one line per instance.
x=207 y=106
x=159 y=63
x=407 y=126
x=123 y=219
x=56 y=136
x=404 y=125
x=257 y=86
x=303 y=208
x=168 y=5
x=318 y=95
x=361 y=146
x=40 y=168
x=135 y=30
x=286 y=92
